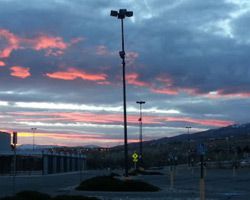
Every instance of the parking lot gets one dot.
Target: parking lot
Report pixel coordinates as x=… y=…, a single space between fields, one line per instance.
x=220 y=184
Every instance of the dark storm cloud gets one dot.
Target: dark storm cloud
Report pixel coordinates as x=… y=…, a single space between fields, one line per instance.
x=194 y=51
x=166 y=42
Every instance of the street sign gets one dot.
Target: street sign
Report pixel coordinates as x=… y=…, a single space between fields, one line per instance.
x=201 y=149
x=135 y=157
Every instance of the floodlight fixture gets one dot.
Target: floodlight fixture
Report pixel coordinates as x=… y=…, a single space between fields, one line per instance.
x=113 y=13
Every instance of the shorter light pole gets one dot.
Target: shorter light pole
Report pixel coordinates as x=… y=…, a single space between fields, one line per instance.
x=189 y=144
x=14 y=141
x=140 y=135
x=33 y=131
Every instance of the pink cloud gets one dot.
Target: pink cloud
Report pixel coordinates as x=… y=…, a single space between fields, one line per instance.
x=51 y=45
x=131 y=56
x=133 y=79
x=222 y=94
x=102 y=50
x=113 y=118
x=72 y=74
x=167 y=91
x=69 y=139
x=206 y=122
x=2 y=64
x=12 y=43
x=21 y=72
x=45 y=42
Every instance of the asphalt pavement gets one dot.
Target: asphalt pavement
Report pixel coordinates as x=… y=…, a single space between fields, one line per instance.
x=219 y=183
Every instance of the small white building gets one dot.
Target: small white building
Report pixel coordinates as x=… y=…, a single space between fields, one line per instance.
x=5 y=143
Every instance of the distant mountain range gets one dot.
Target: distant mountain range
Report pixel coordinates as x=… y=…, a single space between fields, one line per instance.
x=232 y=131
x=30 y=146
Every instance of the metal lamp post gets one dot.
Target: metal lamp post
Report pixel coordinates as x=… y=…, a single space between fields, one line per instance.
x=33 y=131
x=121 y=14
x=140 y=135
x=189 y=145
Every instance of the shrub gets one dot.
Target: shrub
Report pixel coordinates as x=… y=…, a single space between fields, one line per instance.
x=108 y=183
x=32 y=195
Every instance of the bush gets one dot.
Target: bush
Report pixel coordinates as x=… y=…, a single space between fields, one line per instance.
x=108 y=183
x=11 y=198
x=33 y=195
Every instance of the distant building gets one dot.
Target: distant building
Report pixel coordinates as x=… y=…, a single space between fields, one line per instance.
x=5 y=143
x=43 y=161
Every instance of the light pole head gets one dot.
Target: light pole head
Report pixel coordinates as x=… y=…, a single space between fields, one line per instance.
x=121 y=14
x=141 y=102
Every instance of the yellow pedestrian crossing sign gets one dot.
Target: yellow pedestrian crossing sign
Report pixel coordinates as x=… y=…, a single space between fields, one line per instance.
x=135 y=157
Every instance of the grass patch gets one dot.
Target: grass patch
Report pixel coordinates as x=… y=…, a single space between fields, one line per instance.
x=33 y=195
x=109 y=183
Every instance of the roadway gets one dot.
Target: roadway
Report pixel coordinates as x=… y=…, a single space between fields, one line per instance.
x=220 y=184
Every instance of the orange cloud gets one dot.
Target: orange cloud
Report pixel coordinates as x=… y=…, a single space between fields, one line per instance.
x=12 y=43
x=2 y=64
x=52 y=45
x=165 y=91
x=72 y=74
x=132 y=79
x=45 y=42
x=21 y=72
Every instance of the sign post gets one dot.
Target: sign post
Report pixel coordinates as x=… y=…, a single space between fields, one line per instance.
x=201 y=151
x=171 y=159
x=135 y=159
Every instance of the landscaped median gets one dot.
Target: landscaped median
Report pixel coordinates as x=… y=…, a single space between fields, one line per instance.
x=114 y=184
x=33 y=195
x=144 y=172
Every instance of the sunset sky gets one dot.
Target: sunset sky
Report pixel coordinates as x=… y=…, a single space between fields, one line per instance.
x=60 y=71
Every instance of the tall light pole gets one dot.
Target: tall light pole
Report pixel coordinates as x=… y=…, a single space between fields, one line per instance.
x=121 y=14
x=33 y=131
x=189 y=145
x=140 y=135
